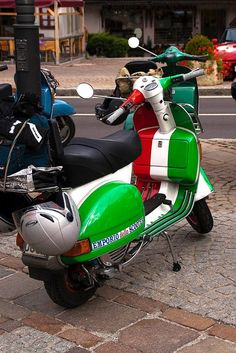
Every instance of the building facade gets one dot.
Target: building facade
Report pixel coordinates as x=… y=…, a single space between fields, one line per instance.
x=161 y=22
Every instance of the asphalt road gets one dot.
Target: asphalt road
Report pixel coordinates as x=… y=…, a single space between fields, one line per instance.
x=217 y=114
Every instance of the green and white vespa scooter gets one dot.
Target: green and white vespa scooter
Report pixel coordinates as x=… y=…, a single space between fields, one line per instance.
x=122 y=191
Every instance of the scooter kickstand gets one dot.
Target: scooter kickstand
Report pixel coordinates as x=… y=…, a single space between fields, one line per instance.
x=176 y=265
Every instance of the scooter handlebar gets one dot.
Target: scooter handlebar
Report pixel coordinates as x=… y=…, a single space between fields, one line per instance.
x=193 y=74
x=117 y=113
x=173 y=55
x=199 y=57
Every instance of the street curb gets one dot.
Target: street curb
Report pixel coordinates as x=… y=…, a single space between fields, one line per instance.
x=203 y=91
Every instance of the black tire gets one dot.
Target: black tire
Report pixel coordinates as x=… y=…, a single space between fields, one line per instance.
x=69 y=289
x=200 y=217
x=66 y=128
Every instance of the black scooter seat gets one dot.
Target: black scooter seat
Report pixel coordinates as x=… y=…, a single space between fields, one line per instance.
x=87 y=159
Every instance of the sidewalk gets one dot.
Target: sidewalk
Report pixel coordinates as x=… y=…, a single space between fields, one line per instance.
x=147 y=308
x=100 y=73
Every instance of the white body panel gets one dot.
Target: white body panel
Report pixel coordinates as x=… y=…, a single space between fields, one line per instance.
x=80 y=193
x=171 y=192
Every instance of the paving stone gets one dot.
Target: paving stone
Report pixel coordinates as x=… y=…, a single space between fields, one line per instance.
x=154 y=335
x=101 y=316
x=142 y=303
x=210 y=345
x=115 y=347
x=28 y=340
x=78 y=350
x=10 y=325
x=188 y=319
x=13 y=311
x=17 y=285
x=4 y=272
x=12 y=262
x=2 y=319
x=223 y=331
x=108 y=292
x=80 y=337
x=38 y=300
x=44 y=323
x=2 y=255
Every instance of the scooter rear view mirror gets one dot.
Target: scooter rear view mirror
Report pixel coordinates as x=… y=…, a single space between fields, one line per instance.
x=85 y=90
x=133 y=42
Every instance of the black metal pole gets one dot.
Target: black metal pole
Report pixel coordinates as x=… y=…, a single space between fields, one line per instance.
x=27 y=53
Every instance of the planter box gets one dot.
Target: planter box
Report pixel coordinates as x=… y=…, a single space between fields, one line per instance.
x=212 y=77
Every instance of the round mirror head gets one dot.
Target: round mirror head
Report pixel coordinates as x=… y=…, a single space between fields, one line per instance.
x=133 y=42
x=85 y=90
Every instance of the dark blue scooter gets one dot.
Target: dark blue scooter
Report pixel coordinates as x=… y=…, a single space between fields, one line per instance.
x=52 y=108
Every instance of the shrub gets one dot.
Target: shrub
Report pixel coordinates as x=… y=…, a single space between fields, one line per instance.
x=105 y=44
x=200 y=45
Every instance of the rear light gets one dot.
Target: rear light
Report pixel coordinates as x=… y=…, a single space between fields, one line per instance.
x=81 y=247
x=200 y=150
x=19 y=241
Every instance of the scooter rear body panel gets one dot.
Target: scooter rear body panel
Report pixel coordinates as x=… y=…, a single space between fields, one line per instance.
x=111 y=217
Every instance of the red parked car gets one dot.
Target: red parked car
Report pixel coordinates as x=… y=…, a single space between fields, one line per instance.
x=226 y=48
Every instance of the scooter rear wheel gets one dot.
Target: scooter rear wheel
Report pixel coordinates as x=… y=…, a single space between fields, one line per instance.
x=66 y=128
x=69 y=288
x=200 y=217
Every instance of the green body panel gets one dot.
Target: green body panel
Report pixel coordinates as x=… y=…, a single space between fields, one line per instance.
x=183 y=158
x=129 y=125
x=111 y=217
x=184 y=92
x=182 y=117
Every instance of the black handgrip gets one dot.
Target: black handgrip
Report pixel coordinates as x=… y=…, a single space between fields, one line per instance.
x=3 y=67
x=200 y=57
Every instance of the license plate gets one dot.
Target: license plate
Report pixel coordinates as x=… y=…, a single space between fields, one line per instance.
x=28 y=250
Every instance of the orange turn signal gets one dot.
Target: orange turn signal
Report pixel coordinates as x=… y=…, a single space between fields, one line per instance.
x=200 y=150
x=81 y=247
x=19 y=241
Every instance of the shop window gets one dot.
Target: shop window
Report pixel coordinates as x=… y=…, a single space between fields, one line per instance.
x=46 y=20
x=173 y=26
x=122 y=21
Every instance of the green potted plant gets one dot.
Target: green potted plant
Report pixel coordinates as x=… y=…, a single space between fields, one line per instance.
x=201 y=45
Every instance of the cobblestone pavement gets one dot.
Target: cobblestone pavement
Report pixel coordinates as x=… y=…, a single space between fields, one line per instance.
x=148 y=308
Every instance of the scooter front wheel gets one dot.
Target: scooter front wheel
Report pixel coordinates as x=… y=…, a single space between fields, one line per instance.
x=200 y=217
x=69 y=288
x=67 y=128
